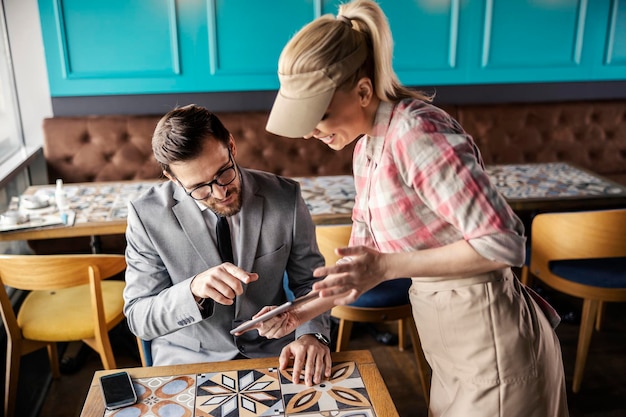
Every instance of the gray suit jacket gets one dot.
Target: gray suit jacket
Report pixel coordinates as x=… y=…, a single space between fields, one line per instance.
x=168 y=244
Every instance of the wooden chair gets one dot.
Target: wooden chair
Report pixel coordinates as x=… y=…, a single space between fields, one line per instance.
x=396 y=308
x=67 y=302
x=582 y=254
x=145 y=351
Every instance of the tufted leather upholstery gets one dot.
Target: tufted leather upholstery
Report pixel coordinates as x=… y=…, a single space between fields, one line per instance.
x=589 y=134
x=112 y=148
x=108 y=148
x=99 y=148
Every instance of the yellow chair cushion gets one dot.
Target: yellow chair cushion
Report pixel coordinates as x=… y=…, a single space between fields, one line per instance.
x=66 y=314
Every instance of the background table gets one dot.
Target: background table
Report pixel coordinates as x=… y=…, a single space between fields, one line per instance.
x=554 y=186
x=101 y=207
x=376 y=389
x=529 y=188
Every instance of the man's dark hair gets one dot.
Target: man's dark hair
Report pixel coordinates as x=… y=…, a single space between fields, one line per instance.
x=181 y=134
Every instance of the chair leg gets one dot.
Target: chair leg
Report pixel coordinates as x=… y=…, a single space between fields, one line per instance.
x=142 y=353
x=343 y=337
x=600 y=316
x=589 y=315
x=106 y=354
x=401 y=334
x=103 y=347
x=422 y=365
x=14 y=356
x=53 y=357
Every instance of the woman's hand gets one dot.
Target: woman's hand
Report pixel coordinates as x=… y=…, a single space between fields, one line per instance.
x=361 y=270
x=285 y=323
x=277 y=326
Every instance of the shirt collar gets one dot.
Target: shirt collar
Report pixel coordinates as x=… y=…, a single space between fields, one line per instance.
x=375 y=142
x=201 y=206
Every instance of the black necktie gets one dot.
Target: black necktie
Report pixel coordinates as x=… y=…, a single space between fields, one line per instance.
x=223 y=240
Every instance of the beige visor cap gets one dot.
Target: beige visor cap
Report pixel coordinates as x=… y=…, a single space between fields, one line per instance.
x=303 y=98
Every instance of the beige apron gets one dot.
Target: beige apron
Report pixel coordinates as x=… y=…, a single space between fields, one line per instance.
x=492 y=350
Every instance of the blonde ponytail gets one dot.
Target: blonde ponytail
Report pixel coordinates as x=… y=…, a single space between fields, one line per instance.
x=367 y=17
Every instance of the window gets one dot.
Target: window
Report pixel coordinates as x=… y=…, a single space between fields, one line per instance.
x=10 y=128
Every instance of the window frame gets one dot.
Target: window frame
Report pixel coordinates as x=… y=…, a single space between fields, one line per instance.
x=11 y=132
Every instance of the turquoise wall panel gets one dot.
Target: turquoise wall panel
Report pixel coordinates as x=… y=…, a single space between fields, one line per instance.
x=432 y=40
x=616 y=36
x=607 y=41
x=104 y=47
x=117 y=38
x=101 y=47
x=533 y=33
x=538 y=41
x=427 y=38
x=240 y=47
x=425 y=33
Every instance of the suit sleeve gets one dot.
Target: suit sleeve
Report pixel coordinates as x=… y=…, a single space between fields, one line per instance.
x=153 y=305
x=304 y=258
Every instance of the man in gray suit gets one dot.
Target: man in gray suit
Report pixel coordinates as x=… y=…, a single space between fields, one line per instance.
x=179 y=293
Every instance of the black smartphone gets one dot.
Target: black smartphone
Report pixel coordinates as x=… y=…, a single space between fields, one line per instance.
x=118 y=390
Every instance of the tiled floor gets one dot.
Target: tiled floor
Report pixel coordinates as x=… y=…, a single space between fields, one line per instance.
x=603 y=391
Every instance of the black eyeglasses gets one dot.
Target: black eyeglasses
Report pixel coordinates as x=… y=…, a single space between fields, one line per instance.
x=223 y=178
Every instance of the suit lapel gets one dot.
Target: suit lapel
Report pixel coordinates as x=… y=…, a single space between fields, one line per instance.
x=250 y=227
x=250 y=220
x=192 y=222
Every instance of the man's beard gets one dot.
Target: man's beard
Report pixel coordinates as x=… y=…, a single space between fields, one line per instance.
x=225 y=211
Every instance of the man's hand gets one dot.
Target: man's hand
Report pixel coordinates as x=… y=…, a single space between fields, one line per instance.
x=309 y=353
x=221 y=283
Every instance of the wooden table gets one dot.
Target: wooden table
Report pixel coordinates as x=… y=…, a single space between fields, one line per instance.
x=101 y=207
x=376 y=389
x=528 y=188
x=555 y=187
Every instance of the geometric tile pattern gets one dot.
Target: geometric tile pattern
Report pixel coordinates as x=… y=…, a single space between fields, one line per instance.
x=551 y=180
x=161 y=397
x=328 y=194
x=243 y=393
x=250 y=392
x=335 y=194
x=343 y=394
x=109 y=201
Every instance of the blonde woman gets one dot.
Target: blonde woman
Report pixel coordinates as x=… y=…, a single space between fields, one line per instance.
x=426 y=209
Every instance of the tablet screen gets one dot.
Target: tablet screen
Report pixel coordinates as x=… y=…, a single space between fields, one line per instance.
x=280 y=309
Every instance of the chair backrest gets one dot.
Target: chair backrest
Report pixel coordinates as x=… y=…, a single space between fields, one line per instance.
x=48 y=272
x=330 y=237
x=576 y=235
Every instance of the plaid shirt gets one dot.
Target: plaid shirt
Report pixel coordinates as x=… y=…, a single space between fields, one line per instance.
x=421 y=184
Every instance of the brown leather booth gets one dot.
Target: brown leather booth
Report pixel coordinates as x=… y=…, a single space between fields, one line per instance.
x=108 y=148
x=113 y=148
x=591 y=135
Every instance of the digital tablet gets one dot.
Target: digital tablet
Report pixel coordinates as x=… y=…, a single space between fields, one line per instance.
x=280 y=309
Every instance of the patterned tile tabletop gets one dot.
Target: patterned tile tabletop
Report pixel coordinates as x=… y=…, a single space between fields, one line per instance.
x=250 y=392
x=334 y=195
x=549 y=181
